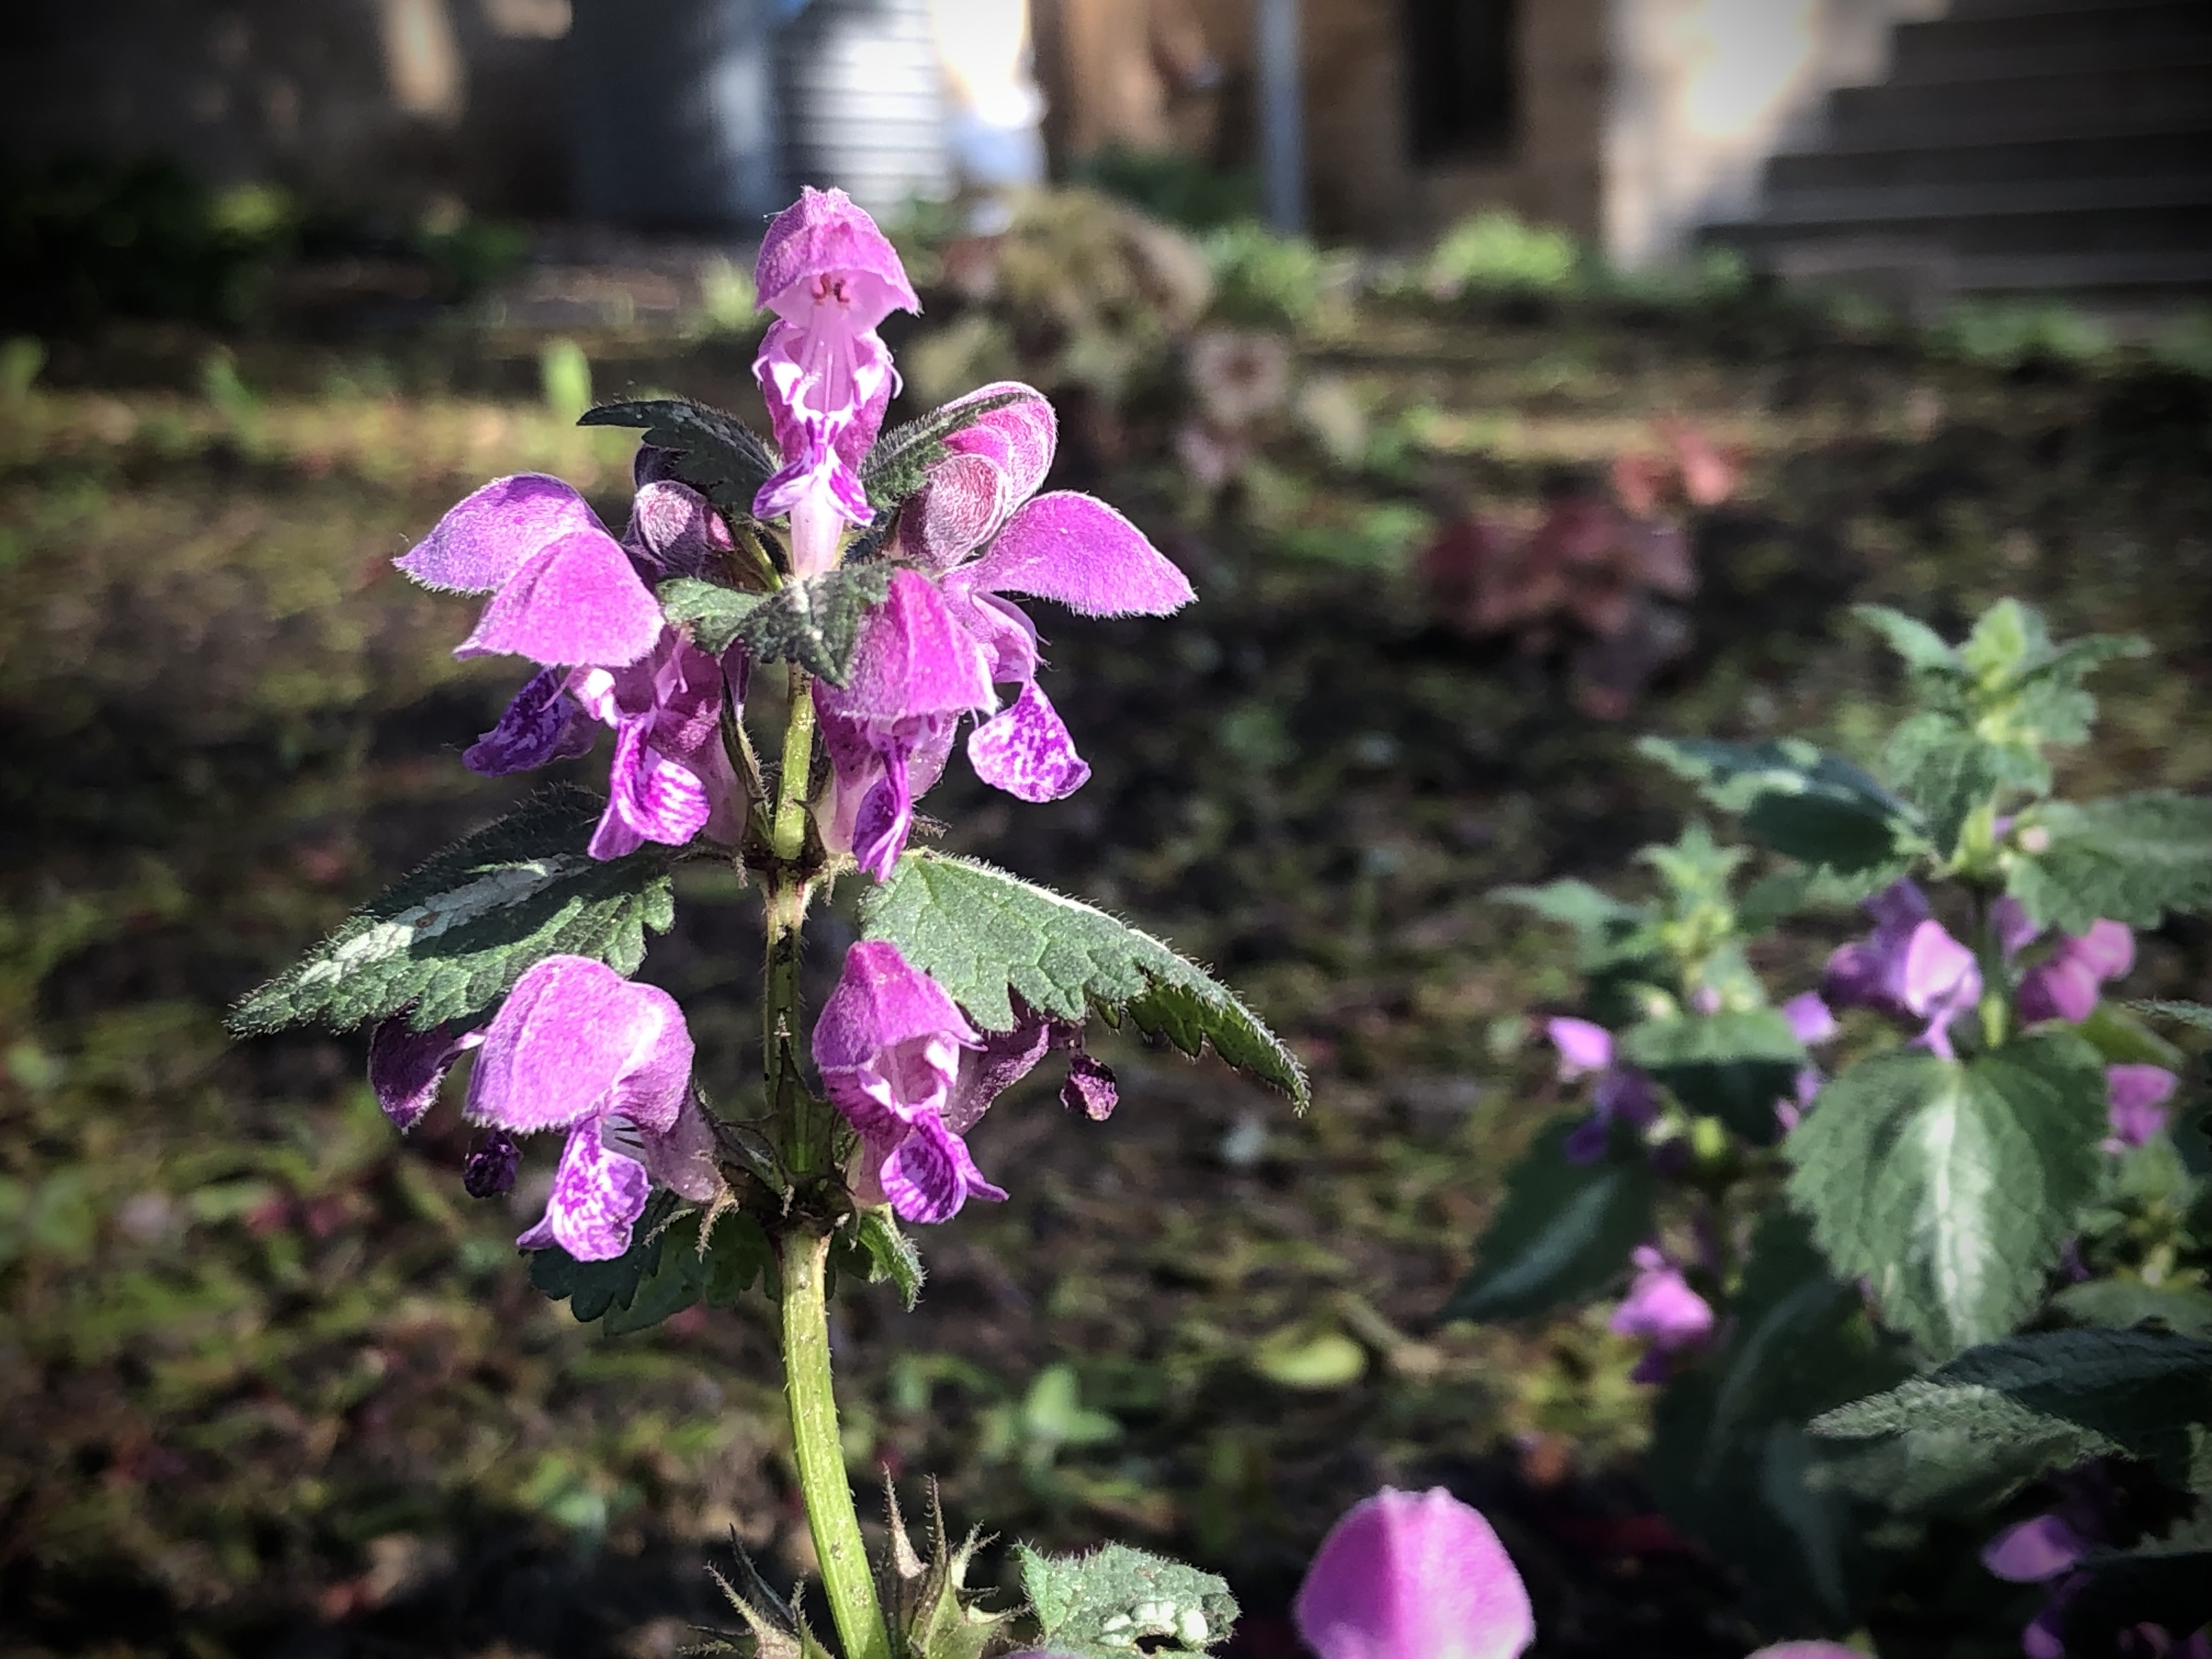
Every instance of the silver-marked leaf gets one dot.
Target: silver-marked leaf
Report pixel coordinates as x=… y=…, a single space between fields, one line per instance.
x=1951 y=1188
x=1564 y=1232
x=717 y=454
x=1922 y=649
x=878 y=1250
x=1807 y=805
x=2186 y=1013
x=448 y=941
x=1118 y=1601
x=2130 y=859
x=1999 y=1415
x=987 y=936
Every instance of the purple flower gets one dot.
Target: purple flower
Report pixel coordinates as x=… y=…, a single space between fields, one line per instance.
x=1622 y=1093
x=1909 y=968
x=832 y=278
x=492 y=1165
x=1414 y=1576
x=577 y=1046
x=889 y=730
x=2134 y=1101
x=407 y=1067
x=932 y=653
x=568 y=596
x=1662 y=1311
x=1810 y=1021
x=2066 y=984
x=2035 y=1550
x=890 y=1044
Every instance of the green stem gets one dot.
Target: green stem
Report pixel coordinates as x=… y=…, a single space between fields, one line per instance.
x=821 y=1456
x=789 y=888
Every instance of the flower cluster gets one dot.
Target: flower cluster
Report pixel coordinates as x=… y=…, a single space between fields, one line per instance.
x=577 y=1047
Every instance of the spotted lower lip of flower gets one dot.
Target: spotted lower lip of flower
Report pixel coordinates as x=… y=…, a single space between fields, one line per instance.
x=1414 y=1576
x=577 y=1046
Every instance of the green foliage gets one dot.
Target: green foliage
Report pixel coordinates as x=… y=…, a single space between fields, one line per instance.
x=1263 y=280
x=1050 y=1416
x=1564 y=1232
x=1951 y=1188
x=449 y=941
x=1729 y=1066
x=717 y=454
x=1999 y=1415
x=1730 y=1457
x=564 y=378
x=899 y=463
x=987 y=936
x=1173 y=185
x=1988 y=708
x=663 y=1272
x=1118 y=1601
x=1497 y=253
x=1806 y=804
x=1606 y=932
x=876 y=1250
x=2130 y=859
x=2195 y=1014
x=816 y=622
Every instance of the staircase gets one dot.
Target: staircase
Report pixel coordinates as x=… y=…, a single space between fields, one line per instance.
x=2017 y=147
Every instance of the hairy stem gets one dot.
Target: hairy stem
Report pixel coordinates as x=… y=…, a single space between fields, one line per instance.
x=790 y=885
x=831 y=1516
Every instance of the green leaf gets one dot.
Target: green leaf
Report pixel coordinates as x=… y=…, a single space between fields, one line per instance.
x=986 y=937
x=663 y=1272
x=1564 y=1232
x=2130 y=859
x=2186 y=1014
x=1946 y=769
x=1733 y=1066
x=450 y=940
x=717 y=454
x=888 y=1253
x=1999 y=1415
x=1808 y=805
x=1951 y=1188
x=1117 y=1601
x=1606 y=932
x=900 y=462
x=1729 y=1459
x=815 y=623
x=2120 y=1304
x=2124 y=1040
x=1920 y=646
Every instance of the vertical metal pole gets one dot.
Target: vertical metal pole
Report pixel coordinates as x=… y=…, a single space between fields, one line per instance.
x=1282 y=116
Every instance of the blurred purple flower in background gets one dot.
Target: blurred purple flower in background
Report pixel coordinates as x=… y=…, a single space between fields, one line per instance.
x=1662 y=1311
x=1623 y=1092
x=2134 y=1100
x=1910 y=968
x=2066 y=983
x=1414 y=1576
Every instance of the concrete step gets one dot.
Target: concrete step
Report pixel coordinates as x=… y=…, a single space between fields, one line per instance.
x=2184 y=149
x=2110 y=36
x=2021 y=107
x=1950 y=203
x=2166 y=229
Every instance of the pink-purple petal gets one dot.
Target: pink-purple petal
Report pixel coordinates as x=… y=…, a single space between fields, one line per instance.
x=913 y=658
x=1414 y=1576
x=930 y=1174
x=407 y=1067
x=578 y=602
x=1810 y=1021
x=882 y=1001
x=483 y=541
x=675 y=531
x=574 y=1039
x=823 y=238
x=2136 y=1097
x=2035 y=1550
x=1026 y=751
x=598 y=1195
x=1080 y=552
x=542 y=724
x=1583 y=1047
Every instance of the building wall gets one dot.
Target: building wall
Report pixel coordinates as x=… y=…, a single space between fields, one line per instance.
x=1706 y=90
x=386 y=103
